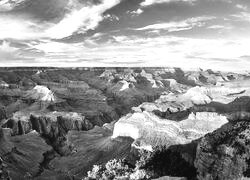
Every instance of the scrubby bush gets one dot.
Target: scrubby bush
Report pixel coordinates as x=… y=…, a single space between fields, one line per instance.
x=162 y=161
x=96 y=172
x=116 y=170
x=140 y=174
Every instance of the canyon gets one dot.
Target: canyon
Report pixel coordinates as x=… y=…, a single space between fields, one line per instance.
x=57 y=123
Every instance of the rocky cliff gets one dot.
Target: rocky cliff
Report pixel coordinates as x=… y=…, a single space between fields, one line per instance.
x=225 y=153
x=22 y=155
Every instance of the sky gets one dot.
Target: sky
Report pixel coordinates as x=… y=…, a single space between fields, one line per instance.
x=208 y=34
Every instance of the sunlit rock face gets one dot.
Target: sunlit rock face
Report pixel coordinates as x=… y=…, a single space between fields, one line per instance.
x=206 y=77
x=3 y=84
x=175 y=102
x=148 y=129
x=122 y=86
x=149 y=77
x=172 y=120
x=41 y=93
x=114 y=75
x=205 y=95
x=173 y=85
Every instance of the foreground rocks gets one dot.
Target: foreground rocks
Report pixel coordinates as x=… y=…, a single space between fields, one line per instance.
x=31 y=156
x=22 y=155
x=225 y=153
x=4 y=174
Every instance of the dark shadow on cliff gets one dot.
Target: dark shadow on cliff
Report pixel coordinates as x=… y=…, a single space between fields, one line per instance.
x=239 y=104
x=174 y=161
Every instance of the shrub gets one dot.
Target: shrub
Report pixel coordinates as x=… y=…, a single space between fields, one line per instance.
x=116 y=169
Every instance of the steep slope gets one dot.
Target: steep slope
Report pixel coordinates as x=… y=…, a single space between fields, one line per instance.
x=225 y=153
x=22 y=154
x=89 y=148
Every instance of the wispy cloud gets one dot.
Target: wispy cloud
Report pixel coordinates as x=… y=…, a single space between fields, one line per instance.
x=220 y=27
x=6 y=50
x=11 y=54
x=241 y=6
x=182 y=52
x=151 y=2
x=111 y=17
x=242 y=16
x=178 y=25
x=13 y=27
x=78 y=20
x=217 y=36
x=135 y=12
x=84 y=19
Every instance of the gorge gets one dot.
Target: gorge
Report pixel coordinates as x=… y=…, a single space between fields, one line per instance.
x=58 y=123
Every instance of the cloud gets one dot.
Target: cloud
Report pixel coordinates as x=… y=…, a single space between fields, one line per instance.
x=220 y=27
x=135 y=12
x=13 y=27
x=188 y=53
x=151 y=2
x=36 y=35
x=240 y=6
x=57 y=47
x=78 y=20
x=84 y=19
x=178 y=25
x=216 y=27
x=242 y=16
x=7 y=5
x=111 y=17
x=6 y=48
x=9 y=53
x=21 y=56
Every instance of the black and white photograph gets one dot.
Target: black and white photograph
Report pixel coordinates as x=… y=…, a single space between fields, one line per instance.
x=124 y=89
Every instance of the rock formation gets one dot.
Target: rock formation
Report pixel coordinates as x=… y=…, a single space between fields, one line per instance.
x=89 y=148
x=225 y=153
x=22 y=155
x=148 y=130
x=41 y=93
x=56 y=123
